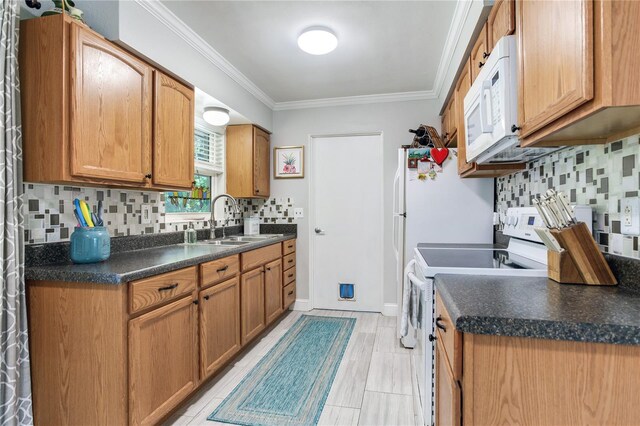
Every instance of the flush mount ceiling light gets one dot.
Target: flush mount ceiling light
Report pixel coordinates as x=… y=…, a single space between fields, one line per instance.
x=317 y=40
x=216 y=116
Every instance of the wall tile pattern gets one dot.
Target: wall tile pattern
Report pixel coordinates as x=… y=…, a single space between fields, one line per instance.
x=49 y=212
x=595 y=175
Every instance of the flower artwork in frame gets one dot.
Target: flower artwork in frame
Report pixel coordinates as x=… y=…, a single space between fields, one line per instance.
x=288 y=162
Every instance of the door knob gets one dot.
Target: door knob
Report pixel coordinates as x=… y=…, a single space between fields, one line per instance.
x=319 y=231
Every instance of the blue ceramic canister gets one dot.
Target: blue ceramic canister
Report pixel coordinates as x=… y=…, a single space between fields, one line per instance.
x=90 y=245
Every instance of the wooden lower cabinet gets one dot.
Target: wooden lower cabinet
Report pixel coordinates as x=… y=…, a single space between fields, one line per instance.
x=219 y=325
x=273 y=290
x=518 y=380
x=163 y=358
x=252 y=304
x=131 y=353
x=448 y=407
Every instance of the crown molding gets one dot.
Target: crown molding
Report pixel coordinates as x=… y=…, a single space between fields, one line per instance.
x=175 y=24
x=356 y=100
x=460 y=15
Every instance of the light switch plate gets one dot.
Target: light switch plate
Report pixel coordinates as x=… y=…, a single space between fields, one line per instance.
x=298 y=212
x=630 y=216
x=145 y=212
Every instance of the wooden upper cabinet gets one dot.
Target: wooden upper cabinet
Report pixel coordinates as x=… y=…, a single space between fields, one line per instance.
x=449 y=121
x=163 y=353
x=501 y=22
x=248 y=160
x=479 y=53
x=173 y=142
x=555 y=45
x=261 y=150
x=219 y=325
x=110 y=110
x=91 y=116
x=462 y=87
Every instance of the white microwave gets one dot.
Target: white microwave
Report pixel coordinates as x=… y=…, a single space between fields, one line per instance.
x=491 y=110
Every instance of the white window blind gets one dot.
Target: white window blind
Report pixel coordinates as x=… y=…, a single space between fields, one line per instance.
x=209 y=150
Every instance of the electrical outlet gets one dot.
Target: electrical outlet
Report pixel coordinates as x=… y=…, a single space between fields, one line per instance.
x=298 y=212
x=145 y=212
x=630 y=216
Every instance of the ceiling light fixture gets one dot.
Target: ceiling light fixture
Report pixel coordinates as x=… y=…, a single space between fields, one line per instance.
x=317 y=40
x=216 y=116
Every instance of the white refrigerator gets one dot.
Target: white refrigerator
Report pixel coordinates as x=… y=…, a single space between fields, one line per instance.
x=445 y=209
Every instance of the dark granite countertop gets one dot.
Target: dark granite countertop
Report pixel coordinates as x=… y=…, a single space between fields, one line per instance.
x=132 y=265
x=541 y=308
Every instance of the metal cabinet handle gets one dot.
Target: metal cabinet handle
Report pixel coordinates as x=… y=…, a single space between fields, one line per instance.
x=169 y=287
x=480 y=64
x=290 y=293
x=195 y=302
x=268 y=269
x=290 y=261
x=319 y=231
x=440 y=326
x=485 y=55
x=515 y=128
x=224 y=268
x=432 y=338
x=148 y=176
x=290 y=275
x=207 y=297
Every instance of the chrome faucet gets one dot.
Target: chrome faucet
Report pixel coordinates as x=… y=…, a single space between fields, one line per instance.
x=212 y=222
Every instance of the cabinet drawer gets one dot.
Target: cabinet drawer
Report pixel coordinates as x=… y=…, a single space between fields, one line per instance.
x=289 y=275
x=155 y=290
x=289 y=261
x=451 y=338
x=259 y=257
x=219 y=270
x=288 y=246
x=289 y=295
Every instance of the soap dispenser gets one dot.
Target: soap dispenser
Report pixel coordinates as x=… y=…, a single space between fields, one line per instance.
x=190 y=234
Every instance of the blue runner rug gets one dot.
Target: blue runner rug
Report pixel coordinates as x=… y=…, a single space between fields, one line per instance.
x=290 y=385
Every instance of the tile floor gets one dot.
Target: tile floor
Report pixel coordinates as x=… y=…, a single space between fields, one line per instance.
x=373 y=387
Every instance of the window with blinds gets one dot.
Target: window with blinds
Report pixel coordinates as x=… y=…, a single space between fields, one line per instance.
x=209 y=150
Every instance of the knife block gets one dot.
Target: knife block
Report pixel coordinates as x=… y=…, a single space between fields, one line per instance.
x=582 y=262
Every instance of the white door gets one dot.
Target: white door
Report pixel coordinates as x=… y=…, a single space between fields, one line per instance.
x=347 y=221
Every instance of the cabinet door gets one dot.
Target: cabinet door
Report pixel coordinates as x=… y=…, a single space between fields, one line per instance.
x=110 y=113
x=452 y=126
x=162 y=360
x=252 y=304
x=479 y=53
x=172 y=133
x=273 y=290
x=502 y=21
x=261 y=149
x=555 y=66
x=448 y=402
x=219 y=325
x=462 y=87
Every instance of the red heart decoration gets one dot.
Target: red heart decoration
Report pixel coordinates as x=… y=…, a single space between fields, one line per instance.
x=439 y=155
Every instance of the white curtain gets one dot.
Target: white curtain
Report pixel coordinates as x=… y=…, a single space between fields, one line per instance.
x=15 y=377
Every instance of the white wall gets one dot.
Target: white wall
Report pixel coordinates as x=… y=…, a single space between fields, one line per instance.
x=394 y=119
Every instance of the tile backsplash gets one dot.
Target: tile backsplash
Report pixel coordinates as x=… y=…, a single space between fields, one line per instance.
x=595 y=175
x=49 y=212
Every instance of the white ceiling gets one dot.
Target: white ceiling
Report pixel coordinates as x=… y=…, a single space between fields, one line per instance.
x=384 y=46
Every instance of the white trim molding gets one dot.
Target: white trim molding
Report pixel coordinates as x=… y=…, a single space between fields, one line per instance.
x=180 y=28
x=355 y=100
x=301 y=305
x=175 y=24
x=390 y=310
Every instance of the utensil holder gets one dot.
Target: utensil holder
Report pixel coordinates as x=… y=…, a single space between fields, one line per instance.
x=582 y=262
x=90 y=245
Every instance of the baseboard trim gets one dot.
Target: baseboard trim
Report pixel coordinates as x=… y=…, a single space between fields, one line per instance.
x=390 y=310
x=301 y=305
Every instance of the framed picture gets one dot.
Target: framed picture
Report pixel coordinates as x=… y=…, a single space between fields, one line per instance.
x=288 y=162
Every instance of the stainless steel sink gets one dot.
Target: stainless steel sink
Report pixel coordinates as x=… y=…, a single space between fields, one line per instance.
x=251 y=238
x=223 y=242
